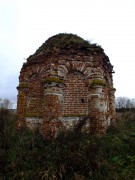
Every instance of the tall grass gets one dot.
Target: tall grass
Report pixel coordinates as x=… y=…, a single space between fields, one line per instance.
x=29 y=155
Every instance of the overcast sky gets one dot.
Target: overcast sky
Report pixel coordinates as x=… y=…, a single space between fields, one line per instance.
x=26 y=24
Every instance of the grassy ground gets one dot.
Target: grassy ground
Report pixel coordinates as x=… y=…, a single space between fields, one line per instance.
x=29 y=155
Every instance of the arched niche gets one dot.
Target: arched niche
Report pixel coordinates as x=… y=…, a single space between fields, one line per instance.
x=34 y=96
x=75 y=95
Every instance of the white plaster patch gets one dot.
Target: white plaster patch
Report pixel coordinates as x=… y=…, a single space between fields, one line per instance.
x=33 y=122
x=69 y=122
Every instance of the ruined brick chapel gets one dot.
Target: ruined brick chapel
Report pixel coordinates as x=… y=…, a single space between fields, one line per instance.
x=66 y=79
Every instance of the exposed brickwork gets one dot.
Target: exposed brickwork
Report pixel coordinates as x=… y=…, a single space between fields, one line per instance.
x=61 y=83
x=75 y=95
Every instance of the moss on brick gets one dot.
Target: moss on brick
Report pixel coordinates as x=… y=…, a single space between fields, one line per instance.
x=99 y=82
x=21 y=94
x=39 y=115
x=52 y=79
x=74 y=115
x=23 y=85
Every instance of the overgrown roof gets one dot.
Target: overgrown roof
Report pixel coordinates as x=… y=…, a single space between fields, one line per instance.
x=66 y=41
x=66 y=44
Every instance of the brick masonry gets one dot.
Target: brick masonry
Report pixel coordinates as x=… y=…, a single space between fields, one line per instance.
x=58 y=86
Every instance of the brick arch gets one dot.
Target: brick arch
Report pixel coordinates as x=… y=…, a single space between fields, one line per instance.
x=79 y=66
x=28 y=74
x=75 y=94
x=43 y=72
x=40 y=71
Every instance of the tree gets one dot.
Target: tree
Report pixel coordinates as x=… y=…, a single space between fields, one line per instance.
x=124 y=102
x=6 y=103
x=5 y=132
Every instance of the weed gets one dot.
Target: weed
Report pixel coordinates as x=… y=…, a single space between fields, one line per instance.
x=30 y=155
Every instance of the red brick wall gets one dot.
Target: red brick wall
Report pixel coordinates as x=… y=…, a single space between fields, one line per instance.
x=53 y=101
x=75 y=95
x=35 y=97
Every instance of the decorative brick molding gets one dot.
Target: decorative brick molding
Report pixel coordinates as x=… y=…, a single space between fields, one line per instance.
x=65 y=79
